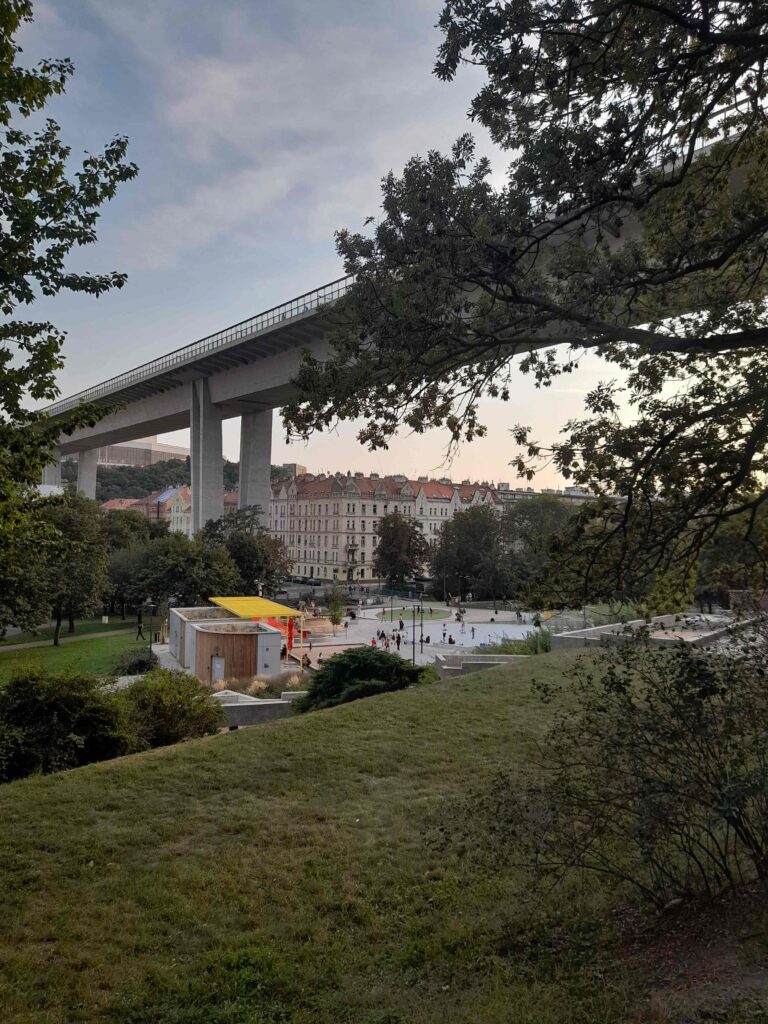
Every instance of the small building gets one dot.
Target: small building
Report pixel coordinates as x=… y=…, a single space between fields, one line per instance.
x=238 y=638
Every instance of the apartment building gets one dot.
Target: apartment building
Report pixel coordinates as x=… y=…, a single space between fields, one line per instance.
x=328 y=523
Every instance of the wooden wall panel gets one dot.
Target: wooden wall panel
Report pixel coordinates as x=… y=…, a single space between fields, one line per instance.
x=237 y=649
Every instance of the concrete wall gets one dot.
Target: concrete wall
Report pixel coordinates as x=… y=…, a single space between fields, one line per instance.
x=258 y=713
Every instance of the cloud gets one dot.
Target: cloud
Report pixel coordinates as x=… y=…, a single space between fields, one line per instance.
x=282 y=122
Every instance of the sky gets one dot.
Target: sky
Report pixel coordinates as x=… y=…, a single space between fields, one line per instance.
x=259 y=127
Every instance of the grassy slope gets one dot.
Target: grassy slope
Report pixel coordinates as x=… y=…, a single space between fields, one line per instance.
x=96 y=654
x=83 y=627
x=281 y=874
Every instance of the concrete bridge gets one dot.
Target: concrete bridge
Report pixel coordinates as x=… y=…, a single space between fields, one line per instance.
x=245 y=370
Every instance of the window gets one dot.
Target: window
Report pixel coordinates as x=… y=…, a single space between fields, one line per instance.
x=374 y=510
x=363 y=509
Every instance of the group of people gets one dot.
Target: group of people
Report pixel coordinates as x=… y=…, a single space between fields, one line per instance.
x=386 y=640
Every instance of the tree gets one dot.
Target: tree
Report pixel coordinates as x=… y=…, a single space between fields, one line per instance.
x=261 y=559
x=401 y=549
x=356 y=673
x=76 y=578
x=175 y=568
x=124 y=528
x=46 y=213
x=336 y=606
x=529 y=528
x=632 y=221
x=470 y=554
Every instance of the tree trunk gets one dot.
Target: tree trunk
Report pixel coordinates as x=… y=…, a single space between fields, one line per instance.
x=57 y=628
x=123 y=616
x=71 y=628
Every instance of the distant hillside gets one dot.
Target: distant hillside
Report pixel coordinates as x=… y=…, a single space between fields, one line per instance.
x=139 y=481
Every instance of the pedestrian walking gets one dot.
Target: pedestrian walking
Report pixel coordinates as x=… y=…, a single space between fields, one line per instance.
x=402 y=625
x=398 y=641
x=473 y=632
x=139 y=632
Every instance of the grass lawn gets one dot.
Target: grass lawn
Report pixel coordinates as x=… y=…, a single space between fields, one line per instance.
x=83 y=627
x=94 y=655
x=284 y=874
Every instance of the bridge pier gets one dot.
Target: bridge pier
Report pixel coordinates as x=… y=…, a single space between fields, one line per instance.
x=206 y=462
x=52 y=472
x=86 y=472
x=256 y=461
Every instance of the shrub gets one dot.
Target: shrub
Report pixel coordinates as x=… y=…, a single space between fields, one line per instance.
x=135 y=663
x=358 y=672
x=657 y=777
x=52 y=722
x=165 y=707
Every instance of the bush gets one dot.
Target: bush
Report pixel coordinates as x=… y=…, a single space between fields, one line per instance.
x=52 y=722
x=135 y=663
x=359 y=672
x=166 y=707
x=657 y=777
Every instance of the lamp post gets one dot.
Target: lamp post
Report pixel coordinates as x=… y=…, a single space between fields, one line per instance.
x=151 y=608
x=413 y=610
x=421 y=635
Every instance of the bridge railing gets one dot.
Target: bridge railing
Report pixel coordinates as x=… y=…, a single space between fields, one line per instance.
x=189 y=353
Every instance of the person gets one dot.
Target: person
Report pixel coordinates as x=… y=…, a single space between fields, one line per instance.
x=140 y=631
x=397 y=641
x=537 y=621
x=402 y=625
x=430 y=609
x=519 y=616
x=451 y=640
x=305 y=662
x=373 y=641
x=473 y=632
x=283 y=652
x=444 y=632
x=427 y=640
x=319 y=657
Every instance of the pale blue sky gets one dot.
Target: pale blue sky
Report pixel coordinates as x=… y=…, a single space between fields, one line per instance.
x=259 y=127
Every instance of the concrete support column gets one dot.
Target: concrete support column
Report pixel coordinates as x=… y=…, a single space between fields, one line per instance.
x=205 y=456
x=256 y=461
x=86 y=472
x=52 y=472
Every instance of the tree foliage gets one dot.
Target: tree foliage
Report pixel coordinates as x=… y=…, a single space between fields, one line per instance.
x=46 y=213
x=471 y=554
x=401 y=549
x=260 y=558
x=632 y=220
x=75 y=577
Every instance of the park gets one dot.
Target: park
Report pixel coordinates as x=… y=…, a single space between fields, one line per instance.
x=407 y=745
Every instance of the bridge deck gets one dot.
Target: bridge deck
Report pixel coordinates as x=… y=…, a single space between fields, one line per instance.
x=239 y=344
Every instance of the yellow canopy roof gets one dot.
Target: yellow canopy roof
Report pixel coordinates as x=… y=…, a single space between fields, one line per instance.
x=256 y=608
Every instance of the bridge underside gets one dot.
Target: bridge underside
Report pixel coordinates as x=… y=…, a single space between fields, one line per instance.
x=248 y=377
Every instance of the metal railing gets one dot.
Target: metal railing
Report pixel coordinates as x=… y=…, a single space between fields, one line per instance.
x=189 y=353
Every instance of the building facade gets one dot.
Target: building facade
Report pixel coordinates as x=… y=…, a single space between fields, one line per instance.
x=328 y=523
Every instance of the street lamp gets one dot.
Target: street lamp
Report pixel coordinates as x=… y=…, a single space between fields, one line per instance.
x=151 y=608
x=413 y=610
x=421 y=635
